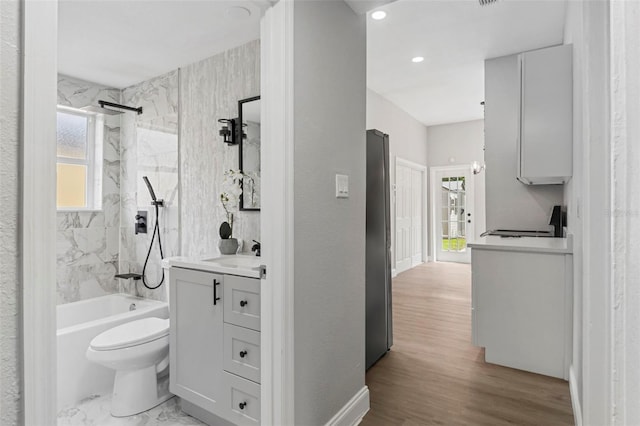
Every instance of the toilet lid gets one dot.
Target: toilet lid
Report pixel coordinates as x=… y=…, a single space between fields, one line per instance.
x=131 y=334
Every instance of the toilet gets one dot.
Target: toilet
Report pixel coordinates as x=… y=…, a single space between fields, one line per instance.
x=139 y=353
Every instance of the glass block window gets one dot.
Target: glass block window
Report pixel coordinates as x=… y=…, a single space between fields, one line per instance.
x=78 y=159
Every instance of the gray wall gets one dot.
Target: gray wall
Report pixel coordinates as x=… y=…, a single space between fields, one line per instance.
x=510 y=204
x=210 y=90
x=329 y=137
x=10 y=178
x=464 y=142
x=407 y=140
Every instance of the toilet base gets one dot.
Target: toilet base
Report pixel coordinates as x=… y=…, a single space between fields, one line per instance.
x=136 y=391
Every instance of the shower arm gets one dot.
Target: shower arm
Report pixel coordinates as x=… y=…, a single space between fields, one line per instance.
x=104 y=104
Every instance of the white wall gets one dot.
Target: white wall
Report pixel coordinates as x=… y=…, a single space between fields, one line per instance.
x=10 y=213
x=464 y=143
x=625 y=211
x=329 y=234
x=510 y=204
x=407 y=140
x=573 y=189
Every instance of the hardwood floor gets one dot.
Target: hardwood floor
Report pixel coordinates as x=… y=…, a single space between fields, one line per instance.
x=434 y=376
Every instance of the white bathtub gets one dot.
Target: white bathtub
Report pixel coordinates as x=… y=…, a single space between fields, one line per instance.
x=78 y=324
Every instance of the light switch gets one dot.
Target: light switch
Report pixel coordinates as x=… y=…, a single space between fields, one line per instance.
x=342 y=186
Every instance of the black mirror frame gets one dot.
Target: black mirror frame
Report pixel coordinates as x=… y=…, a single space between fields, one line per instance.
x=240 y=139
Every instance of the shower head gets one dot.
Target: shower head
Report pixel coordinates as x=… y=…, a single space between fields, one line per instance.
x=154 y=200
x=150 y=188
x=110 y=108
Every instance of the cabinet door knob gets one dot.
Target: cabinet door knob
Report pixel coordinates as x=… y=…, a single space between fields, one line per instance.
x=242 y=405
x=243 y=354
x=243 y=303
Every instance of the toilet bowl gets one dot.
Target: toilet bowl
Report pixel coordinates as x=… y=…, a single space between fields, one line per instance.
x=139 y=353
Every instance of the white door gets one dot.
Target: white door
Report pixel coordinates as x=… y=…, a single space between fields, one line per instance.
x=453 y=214
x=409 y=242
x=416 y=216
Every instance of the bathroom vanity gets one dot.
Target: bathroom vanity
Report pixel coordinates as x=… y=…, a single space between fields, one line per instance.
x=215 y=337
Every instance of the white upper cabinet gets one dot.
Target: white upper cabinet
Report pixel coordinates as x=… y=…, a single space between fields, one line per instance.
x=546 y=116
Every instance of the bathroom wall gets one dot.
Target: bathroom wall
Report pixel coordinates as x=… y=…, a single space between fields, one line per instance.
x=11 y=341
x=149 y=147
x=210 y=90
x=87 y=241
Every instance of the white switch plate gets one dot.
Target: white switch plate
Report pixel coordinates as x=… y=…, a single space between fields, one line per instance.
x=342 y=186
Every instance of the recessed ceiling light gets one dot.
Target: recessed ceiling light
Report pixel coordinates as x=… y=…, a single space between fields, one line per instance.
x=417 y=59
x=379 y=14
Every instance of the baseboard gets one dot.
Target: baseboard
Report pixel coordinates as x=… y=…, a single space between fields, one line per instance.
x=575 y=400
x=353 y=411
x=394 y=273
x=429 y=258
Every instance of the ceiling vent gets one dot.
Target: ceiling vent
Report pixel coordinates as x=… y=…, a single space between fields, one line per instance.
x=486 y=2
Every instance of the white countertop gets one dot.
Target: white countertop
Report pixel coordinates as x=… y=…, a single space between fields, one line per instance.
x=237 y=264
x=525 y=244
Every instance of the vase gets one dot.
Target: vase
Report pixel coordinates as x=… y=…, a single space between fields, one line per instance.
x=228 y=246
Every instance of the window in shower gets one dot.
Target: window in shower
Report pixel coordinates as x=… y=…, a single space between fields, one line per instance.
x=79 y=159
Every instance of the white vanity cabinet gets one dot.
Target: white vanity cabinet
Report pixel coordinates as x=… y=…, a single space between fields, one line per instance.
x=196 y=353
x=545 y=141
x=215 y=345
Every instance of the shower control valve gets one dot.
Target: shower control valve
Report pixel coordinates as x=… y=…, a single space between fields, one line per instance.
x=141 y=222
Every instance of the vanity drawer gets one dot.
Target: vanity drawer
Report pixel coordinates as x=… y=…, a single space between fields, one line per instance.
x=243 y=399
x=242 y=352
x=242 y=301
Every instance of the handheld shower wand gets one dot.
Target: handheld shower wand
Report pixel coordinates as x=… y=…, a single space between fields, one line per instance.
x=154 y=200
x=156 y=229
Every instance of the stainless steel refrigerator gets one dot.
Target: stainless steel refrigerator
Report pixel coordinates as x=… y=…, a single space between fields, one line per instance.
x=379 y=336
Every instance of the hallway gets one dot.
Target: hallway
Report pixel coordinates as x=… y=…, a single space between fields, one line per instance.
x=434 y=376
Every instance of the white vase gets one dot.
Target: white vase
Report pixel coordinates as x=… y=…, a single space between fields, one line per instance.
x=228 y=246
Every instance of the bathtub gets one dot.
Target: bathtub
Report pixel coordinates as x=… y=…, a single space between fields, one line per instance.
x=78 y=323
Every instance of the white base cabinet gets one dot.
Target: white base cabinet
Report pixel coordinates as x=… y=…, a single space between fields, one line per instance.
x=522 y=309
x=214 y=357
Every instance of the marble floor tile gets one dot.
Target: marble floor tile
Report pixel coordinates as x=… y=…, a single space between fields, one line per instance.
x=94 y=411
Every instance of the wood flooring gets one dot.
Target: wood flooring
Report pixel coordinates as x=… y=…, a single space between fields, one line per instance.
x=433 y=375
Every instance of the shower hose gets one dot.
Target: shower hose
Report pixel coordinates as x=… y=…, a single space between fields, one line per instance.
x=156 y=230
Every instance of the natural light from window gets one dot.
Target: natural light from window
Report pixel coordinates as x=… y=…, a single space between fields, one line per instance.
x=79 y=159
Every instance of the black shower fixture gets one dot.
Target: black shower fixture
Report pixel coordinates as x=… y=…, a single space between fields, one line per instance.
x=111 y=108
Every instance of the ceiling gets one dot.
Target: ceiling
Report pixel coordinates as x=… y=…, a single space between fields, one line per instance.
x=120 y=43
x=454 y=37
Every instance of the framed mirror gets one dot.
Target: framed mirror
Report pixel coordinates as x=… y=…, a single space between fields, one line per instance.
x=249 y=155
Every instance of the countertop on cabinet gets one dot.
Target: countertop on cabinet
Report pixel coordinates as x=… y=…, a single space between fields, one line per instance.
x=241 y=265
x=524 y=244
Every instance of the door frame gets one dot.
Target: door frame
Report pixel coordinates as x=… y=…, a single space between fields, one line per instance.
x=38 y=207
x=433 y=170
x=423 y=209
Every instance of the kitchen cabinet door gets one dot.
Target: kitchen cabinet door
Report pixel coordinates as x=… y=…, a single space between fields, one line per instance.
x=545 y=137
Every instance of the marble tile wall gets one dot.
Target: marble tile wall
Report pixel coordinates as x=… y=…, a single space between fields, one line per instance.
x=210 y=90
x=87 y=241
x=149 y=147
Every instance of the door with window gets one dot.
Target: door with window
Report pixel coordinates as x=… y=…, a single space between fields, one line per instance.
x=453 y=214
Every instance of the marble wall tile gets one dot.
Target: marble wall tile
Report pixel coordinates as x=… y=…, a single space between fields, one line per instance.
x=149 y=147
x=87 y=247
x=210 y=90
